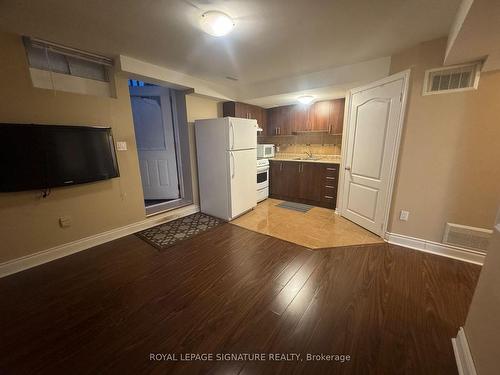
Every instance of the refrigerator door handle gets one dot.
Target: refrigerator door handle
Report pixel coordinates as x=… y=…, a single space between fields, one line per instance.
x=232 y=133
x=232 y=169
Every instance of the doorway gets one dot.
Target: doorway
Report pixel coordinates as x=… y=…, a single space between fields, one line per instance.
x=370 y=149
x=157 y=146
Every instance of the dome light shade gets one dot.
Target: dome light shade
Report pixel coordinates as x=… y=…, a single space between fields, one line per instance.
x=305 y=99
x=216 y=23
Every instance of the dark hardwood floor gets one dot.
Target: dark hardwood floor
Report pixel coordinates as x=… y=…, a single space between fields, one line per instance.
x=230 y=290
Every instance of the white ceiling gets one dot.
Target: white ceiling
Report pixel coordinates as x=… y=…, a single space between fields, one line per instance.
x=272 y=40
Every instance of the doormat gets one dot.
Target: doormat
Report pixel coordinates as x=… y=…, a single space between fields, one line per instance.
x=295 y=206
x=165 y=235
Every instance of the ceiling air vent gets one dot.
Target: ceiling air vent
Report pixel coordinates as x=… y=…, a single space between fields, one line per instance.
x=468 y=237
x=451 y=79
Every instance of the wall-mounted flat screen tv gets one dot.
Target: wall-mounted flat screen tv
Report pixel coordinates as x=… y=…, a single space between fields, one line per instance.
x=44 y=156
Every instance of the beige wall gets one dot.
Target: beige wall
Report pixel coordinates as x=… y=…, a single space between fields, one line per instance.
x=29 y=224
x=482 y=327
x=448 y=167
x=198 y=108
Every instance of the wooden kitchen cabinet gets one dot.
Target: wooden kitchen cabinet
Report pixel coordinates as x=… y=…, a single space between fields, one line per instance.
x=301 y=118
x=244 y=110
x=337 y=116
x=321 y=116
x=304 y=182
x=279 y=120
x=324 y=116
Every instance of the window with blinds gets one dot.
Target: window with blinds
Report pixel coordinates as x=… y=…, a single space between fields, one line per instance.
x=452 y=79
x=59 y=59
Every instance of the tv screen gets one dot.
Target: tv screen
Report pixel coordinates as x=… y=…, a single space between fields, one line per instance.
x=45 y=156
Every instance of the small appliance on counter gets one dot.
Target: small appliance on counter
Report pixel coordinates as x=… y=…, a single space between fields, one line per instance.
x=265 y=151
x=226 y=153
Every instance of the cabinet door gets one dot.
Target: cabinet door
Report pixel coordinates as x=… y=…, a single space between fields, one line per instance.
x=321 y=117
x=291 y=171
x=229 y=109
x=310 y=185
x=300 y=118
x=277 y=184
x=278 y=121
x=337 y=116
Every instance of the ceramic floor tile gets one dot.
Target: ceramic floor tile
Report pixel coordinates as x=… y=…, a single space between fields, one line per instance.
x=317 y=228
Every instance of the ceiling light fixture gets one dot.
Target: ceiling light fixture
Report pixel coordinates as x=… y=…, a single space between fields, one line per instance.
x=216 y=23
x=305 y=99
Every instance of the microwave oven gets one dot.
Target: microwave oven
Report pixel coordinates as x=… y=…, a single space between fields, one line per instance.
x=265 y=151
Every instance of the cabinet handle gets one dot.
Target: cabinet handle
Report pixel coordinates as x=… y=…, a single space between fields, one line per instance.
x=330 y=178
x=331 y=169
x=330 y=187
x=328 y=197
x=281 y=167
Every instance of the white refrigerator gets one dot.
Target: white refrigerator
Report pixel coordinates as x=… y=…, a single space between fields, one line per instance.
x=227 y=166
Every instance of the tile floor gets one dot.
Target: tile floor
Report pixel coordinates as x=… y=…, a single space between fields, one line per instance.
x=315 y=229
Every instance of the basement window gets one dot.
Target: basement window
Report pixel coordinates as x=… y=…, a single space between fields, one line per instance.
x=57 y=67
x=451 y=79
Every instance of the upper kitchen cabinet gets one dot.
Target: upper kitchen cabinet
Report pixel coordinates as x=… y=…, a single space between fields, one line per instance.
x=328 y=116
x=301 y=118
x=244 y=110
x=337 y=116
x=279 y=120
x=321 y=116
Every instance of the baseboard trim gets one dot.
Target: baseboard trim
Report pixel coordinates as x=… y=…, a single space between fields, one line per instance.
x=463 y=356
x=437 y=248
x=44 y=256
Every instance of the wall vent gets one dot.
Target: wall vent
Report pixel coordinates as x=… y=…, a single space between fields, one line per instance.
x=451 y=79
x=468 y=237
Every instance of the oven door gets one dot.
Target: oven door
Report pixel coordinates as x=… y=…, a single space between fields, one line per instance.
x=262 y=177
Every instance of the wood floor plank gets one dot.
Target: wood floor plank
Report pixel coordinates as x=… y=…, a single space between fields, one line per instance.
x=231 y=290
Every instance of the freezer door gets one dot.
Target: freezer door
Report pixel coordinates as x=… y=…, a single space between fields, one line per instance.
x=242 y=181
x=242 y=133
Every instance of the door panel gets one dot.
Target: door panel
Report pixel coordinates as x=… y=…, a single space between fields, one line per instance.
x=372 y=143
x=154 y=132
x=242 y=134
x=243 y=170
x=369 y=138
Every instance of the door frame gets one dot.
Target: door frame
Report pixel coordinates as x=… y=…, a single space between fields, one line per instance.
x=182 y=146
x=405 y=75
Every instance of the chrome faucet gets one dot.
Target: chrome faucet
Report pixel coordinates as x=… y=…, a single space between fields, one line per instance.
x=309 y=153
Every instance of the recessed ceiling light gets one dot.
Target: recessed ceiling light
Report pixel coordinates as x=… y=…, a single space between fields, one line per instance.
x=216 y=23
x=305 y=99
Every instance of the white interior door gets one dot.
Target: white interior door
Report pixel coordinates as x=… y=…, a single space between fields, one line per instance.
x=375 y=118
x=243 y=181
x=154 y=134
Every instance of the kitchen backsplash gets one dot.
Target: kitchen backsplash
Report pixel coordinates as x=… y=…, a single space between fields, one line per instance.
x=315 y=149
x=305 y=138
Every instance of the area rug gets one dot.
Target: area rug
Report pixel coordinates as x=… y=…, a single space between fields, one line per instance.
x=295 y=206
x=166 y=235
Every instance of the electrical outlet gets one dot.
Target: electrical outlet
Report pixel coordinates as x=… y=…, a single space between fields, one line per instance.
x=121 y=146
x=403 y=215
x=65 y=221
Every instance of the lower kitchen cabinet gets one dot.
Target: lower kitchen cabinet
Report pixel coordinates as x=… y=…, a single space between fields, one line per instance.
x=304 y=182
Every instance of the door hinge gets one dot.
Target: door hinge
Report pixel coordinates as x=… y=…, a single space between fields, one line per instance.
x=401 y=97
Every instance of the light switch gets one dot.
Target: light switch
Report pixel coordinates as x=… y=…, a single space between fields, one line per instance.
x=121 y=146
x=404 y=215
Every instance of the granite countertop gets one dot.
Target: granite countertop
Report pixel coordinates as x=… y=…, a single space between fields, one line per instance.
x=327 y=159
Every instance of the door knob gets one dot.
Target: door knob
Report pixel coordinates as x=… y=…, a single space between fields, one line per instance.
x=347 y=168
